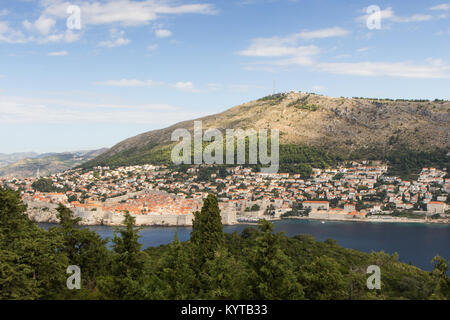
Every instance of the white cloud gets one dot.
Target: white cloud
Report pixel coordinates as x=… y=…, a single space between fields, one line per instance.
x=343 y=56
x=279 y=47
x=187 y=86
x=40 y=36
x=443 y=32
x=95 y=12
x=163 y=33
x=114 y=43
x=289 y=47
x=318 y=88
x=15 y=110
x=244 y=87
x=441 y=7
x=234 y=87
x=269 y=48
x=413 y=18
x=68 y=36
x=323 y=33
x=58 y=53
x=388 y=14
x=3 y=27
x=9 y=35
x=117 y=39
x=431 y=69
x=292 y=54
x=214 y=86
x=129 y=83
x=152 y=47
x=252 y=2
x=4 y=12
x=125 y=12
x=42 y=25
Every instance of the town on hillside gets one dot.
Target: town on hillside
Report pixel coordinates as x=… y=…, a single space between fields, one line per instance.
x=160 y=195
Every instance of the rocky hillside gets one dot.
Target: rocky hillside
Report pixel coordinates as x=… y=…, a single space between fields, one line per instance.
x=340 y=125
x=7 y=159
x=47 y=164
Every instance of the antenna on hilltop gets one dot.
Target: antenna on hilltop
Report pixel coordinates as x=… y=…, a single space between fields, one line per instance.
x=273 y=86
x=38 y=175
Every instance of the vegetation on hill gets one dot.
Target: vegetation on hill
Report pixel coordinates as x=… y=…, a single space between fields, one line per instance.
x=256 y=264
x=45 y=185
x=301 y=159
x=405 y=163
x=318 y=131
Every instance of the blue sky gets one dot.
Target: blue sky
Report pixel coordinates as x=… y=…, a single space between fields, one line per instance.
x=134 y=66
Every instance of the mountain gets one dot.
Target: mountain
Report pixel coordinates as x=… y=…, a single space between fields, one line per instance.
x=48 y=163
x=315 y=126
x=6 y=159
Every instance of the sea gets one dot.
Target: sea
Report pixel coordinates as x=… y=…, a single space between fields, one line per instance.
x=415 y=243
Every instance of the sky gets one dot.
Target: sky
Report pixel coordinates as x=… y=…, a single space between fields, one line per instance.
x=83 y=75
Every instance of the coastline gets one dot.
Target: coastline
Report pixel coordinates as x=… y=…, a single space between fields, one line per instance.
x=393 y=220
x=251 y=223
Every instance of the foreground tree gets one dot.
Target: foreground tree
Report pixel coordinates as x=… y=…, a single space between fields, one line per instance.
x=13 y=219
x=84 y=248
x=253 y=265
x=224 y=277
x=31 y=264
x=127 y=266
x=207 y=230
x=174 y=278
x=272 y=272
x=441 y=278
x=323 y=279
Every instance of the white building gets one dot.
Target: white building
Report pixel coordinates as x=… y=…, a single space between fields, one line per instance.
x=316 y=205
x=436 y=207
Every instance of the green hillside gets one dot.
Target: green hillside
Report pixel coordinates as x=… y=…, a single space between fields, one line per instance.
x=318 y=131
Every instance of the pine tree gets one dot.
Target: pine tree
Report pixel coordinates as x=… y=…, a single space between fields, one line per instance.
x=129 y=258
x=272 y=271
x=439 y=273
x=13 y=219
x=128 y=264
x=16 y=278
x=207 y=230
x=224 y=277
x=83 y=247
x=175 y=275
x=323 y=280
x=31 y=264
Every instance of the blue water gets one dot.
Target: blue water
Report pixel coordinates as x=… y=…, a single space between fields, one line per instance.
x=414 y=242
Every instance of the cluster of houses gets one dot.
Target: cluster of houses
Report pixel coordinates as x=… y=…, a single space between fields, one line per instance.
x=355 y=191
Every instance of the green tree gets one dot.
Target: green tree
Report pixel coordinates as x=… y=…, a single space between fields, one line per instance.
x=224 y=277
x=128 y=263
x=272 y=272
x=44 y=185
x=31 y=264
x=13 y=219
x=441 y=278
x=207 y=230
x=83 y=247
x=16 y=278
x=323 y=279
x=175 y=276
